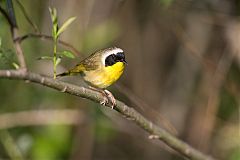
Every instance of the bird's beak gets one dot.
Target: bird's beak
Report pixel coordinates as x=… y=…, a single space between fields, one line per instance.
x=124 y=61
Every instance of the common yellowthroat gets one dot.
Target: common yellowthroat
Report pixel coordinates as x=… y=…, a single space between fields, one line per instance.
x=100 y=70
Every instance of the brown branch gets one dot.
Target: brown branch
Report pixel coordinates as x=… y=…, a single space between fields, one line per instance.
x=146 y=108
x=40 y=117
x=19 y=50
x=122 y=108
x=14 y=30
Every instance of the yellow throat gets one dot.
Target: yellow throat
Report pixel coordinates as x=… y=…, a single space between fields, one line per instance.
x=104 y=77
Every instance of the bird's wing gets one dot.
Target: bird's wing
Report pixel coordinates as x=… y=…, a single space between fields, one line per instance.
x=90 y=63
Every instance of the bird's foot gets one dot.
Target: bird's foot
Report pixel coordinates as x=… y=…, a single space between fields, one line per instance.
x=107 y=97
x=104 y=101
x=110 y=97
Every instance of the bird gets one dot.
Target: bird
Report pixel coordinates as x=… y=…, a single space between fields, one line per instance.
x=100 y=70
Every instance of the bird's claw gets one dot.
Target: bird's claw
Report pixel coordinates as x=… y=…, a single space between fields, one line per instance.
x=111 y=98
x=104 y=101
x=107 y=96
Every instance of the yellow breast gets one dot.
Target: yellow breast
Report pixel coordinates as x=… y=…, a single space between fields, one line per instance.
x=104 y=77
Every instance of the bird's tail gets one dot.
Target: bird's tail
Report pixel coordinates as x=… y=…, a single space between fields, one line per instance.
x=74 y=71
x=63 y=74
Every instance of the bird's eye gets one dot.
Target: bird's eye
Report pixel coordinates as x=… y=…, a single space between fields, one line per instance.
x=120 y=55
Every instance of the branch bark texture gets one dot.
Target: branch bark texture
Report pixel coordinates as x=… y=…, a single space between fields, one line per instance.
x=128 y=112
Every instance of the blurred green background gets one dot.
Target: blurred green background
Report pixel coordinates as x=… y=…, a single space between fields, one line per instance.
x=183 y=65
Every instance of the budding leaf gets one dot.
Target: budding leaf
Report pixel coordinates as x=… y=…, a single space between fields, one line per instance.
x=15 y=65
x=53 y=13
x=68 y=54
x=65 y=25
x=45 y=57
x=58 y=60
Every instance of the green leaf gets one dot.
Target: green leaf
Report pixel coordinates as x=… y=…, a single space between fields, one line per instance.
x=68 y=54
x=53 y=13
x=45 y=57
x=58 y=60
x=15 y=65
x=65 y=25
x=0 y=42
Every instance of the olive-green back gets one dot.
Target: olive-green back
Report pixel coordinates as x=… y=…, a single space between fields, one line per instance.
x=92 y=62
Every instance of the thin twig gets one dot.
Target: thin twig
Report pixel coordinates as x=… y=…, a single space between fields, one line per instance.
x=137 y=101
x=122 y=108
x=10 y=16
x=19 y=50
x=47 y=37
x=34 y=26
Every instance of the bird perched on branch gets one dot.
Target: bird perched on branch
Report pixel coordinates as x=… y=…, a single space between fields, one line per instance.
x=100 y=70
